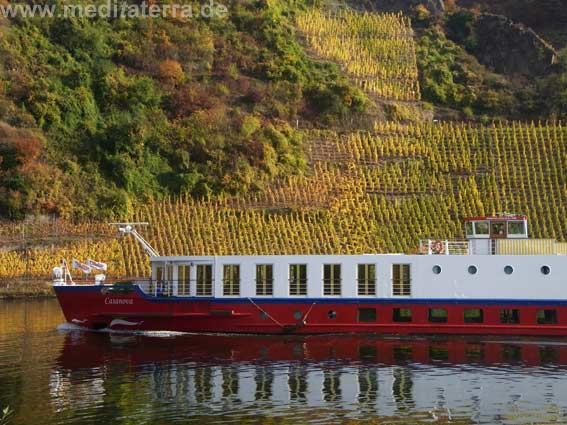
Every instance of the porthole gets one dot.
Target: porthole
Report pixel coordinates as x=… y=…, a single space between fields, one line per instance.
x=332 y=314
x=545 y=270
x=473 y=269
x=436 y=269
x=297 y=315
x=508 y=269
x=263 y=315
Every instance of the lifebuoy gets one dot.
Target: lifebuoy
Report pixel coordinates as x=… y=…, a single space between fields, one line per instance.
x=437 y=247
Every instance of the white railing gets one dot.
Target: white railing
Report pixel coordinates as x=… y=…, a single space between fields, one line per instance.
x=444 y=247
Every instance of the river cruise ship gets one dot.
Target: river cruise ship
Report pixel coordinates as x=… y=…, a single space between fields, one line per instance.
x=495 y=281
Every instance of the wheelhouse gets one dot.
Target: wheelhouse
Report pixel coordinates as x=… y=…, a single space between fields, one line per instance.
x=496 y=227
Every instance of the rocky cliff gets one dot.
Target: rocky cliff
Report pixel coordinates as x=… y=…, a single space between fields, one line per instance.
x=436 y=7
x=511 y=48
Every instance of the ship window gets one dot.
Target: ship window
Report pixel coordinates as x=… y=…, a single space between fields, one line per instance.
x=438 y=315
x=183 y=280
x=366 y=315
x=481 y=228
x=499 y=229
x=159 y=279
x=204 y=280
x=264 y=279
x=164 y=287
x=436 y=269
x=332 y=314
x=473 y=315
x=510 y=316
x=469 y=228
x=401 y=315
x=332 y=279
x=516 y=228
x=401 y=279
x=508 y=269
x=545 y=270
x=231 y=280
x=472 y=269
x=159 y=273
x=367 y=279
x=546 y=317
x=298 y=279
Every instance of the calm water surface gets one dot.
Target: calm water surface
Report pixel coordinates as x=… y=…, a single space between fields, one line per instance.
x=53 y=374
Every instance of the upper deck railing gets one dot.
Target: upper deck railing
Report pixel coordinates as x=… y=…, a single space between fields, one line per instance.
x=444 y=247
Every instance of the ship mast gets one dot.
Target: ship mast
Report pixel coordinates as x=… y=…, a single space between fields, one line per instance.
x=128 y=229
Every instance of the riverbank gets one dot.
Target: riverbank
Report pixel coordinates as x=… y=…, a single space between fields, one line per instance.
x=26 y=289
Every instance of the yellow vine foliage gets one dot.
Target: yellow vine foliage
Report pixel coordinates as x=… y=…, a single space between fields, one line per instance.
x=376 y=50
x=368 y=192
x=378 y=191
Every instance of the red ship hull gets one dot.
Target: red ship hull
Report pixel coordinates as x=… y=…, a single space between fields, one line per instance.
x=96 y=307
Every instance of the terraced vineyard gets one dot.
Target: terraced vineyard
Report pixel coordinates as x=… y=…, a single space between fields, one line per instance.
x=377 y=191
x=376 y=50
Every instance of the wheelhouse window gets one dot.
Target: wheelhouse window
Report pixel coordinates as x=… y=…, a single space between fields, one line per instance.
x=510 y=316
x=366 y=315
x=264 y=279
x=473 y=315
x=469 y=228
x=481 y=228
x=332 y=279
x=183 y=285
x=546 y=317
x=298 y=279
x=516 y=228
x=438 y=315
x=204 y=280
x=401 y=279
x=498 y=229
x=366 y=279
x=401 y=315
x=231 y=279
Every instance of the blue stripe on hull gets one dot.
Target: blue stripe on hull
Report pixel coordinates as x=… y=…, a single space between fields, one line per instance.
x=327 y=300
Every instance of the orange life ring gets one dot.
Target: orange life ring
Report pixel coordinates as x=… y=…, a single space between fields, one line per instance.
x=437 y=247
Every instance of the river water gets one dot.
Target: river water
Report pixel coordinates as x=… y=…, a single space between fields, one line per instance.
x=52 y=373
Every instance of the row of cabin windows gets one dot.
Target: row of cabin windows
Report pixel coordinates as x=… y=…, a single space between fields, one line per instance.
x=470 y=315
x=332 y=279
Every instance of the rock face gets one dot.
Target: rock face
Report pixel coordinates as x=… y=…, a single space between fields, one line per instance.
x=436 y=7
x=511 y=48
x=537 y=14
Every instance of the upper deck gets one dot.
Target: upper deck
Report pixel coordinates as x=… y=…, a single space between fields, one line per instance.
x=494 y=235
x=381 y=276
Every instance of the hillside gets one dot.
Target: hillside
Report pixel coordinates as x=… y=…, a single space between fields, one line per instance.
x=353 y=164
x=122 y=111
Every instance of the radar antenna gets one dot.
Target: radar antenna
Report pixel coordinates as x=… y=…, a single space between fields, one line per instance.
x=128 y=229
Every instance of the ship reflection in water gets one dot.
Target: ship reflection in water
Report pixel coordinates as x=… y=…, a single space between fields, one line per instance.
x=312 y=378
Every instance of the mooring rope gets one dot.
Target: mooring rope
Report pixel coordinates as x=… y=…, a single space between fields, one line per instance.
x=307 y=314
x=265 y=312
